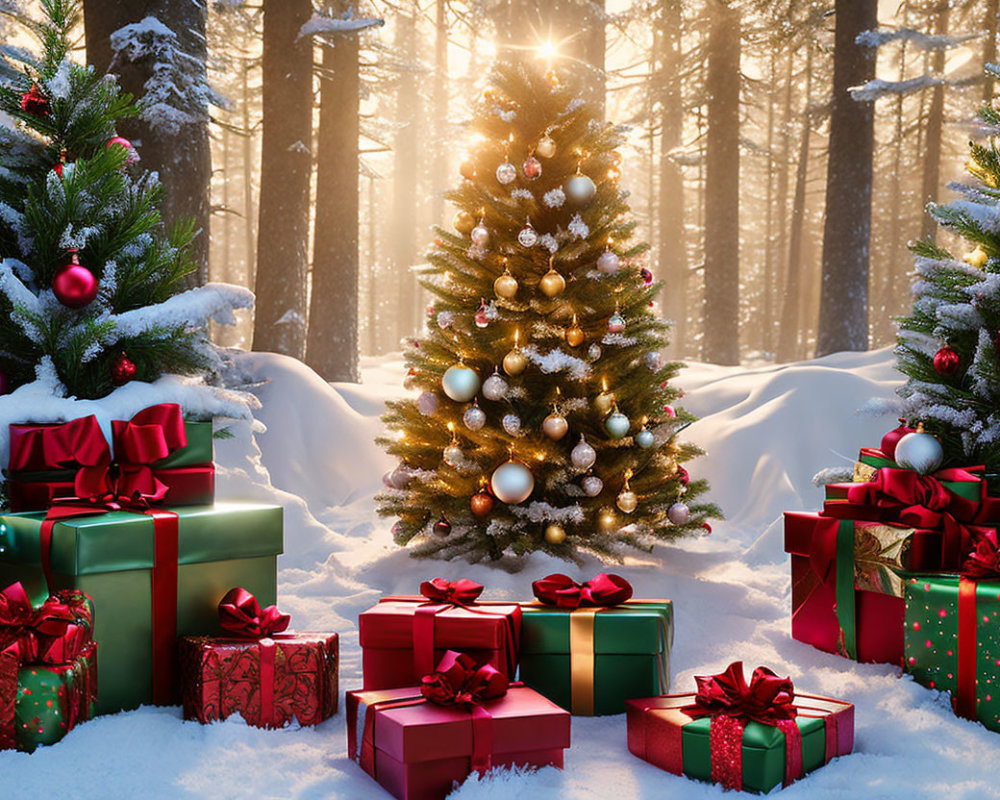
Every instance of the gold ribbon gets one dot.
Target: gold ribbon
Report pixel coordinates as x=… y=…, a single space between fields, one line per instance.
x=581 y=660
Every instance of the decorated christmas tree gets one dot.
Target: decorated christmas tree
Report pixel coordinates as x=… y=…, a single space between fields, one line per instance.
x=545 y=417
x=949 y=345
x=92 y=286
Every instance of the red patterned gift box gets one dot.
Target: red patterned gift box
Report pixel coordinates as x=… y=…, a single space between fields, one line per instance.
x=403 y=638
x=750 y=737
x=268 y=677
x=48 y=667
x=418 y=742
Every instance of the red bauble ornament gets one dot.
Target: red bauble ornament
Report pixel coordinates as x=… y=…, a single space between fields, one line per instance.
x=121 y=141
x=683 y=476
x=34 y=102
x=122 y=370
x=481 y=504
x=647 y=276
x=891 y=439
x=442 y=527
x=946 y=361
x=74 y=285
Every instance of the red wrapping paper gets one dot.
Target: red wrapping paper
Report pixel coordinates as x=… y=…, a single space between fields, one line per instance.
x=879 y=617
x=417 y=750
x=403 y=638
x=223 y=676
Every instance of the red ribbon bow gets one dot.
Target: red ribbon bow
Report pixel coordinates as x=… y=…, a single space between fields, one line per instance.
x=460 y=681
x=76 y=443
x=241 y=615
x=922 y=501
x=54 y=633
x=731 y=703
x=766 y=699
x=460 y=593
x=563 y=592
x=984 y=560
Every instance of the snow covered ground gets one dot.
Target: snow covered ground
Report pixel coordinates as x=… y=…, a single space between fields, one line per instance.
x=767 y=430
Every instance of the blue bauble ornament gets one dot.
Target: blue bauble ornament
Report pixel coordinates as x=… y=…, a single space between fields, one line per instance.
x=617 y=425
x=645 y=439
x=460 y=383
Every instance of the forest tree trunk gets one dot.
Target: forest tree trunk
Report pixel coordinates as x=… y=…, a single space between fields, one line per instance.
x=182 y=159
x=843 y=313
x=931 y=180
x=990 y=46
x=722 y=188
x=671 y=250
x=286 y=167
x=332 y=343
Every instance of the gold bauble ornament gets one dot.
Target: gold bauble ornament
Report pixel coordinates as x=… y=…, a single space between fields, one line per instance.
x=604 y=402
x=627 y=501
x=574 y=334
x=546 y=147
x=607 y=521
x=552 y=283
x=505 y=286
x=514 y=363
x=555 y=426
x=555 y=534
x=464 y=222
x=976 y=258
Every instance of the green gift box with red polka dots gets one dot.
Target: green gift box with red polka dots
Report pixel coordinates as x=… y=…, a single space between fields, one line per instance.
x=952 y=641
x=52 y=699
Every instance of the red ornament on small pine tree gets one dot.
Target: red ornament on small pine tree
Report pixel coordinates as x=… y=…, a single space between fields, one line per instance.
x=74 y=285
x=34 y=102
x=121 y=141
x=122 y=370
x=946 y=361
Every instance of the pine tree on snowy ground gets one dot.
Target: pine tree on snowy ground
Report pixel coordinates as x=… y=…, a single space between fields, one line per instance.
x=91 y=285
x=949 y=345
x=544 y=417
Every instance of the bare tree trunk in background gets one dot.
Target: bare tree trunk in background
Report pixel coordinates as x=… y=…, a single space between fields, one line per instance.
x=722 y=188
x=843 y=314
x=249 y=217
x=931 y=180
x=671 y=250
x=441 y=172
x=373 y=319
x=789 y=329
x=402 y=235
x=332 y=343
x=183 y=159
x=784 y=167
x=286 y=167
x=990 y=45
x=767 y=317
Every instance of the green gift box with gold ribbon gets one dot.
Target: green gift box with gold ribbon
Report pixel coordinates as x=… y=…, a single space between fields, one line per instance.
x=154 y=576
x=589 y=647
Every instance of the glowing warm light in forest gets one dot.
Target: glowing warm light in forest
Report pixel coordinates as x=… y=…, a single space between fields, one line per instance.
x=548 y=50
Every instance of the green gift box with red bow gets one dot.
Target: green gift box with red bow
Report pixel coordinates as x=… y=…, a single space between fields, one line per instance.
x=589 y=646
x=48 y=667
x=751 y=737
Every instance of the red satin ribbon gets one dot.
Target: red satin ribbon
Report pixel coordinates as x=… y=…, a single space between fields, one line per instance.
x=922 y=501
x=462 y=592
x=241 y=615
x=731 y=703
x=982 y=563
x=563 y=592
x=442 y=594
x=76 y=443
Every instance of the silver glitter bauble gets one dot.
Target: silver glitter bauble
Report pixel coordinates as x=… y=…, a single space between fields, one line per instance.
x=583 y=455
x=679 y=514
x=427 y=403
x=592 y=485
x=527 y=236
x=653 y=360
x=495 y=387
x=608 y=263
x=506 y=173
x=480 y=235
x=474 y=418
x=512 y=424
x=594 y=352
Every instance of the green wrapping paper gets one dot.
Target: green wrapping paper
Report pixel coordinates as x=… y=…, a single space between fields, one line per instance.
x=110 y=557
x=630 y=654
x=956 y=651
x=53 y=698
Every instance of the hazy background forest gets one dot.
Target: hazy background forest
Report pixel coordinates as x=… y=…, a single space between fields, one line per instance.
x=316 y=141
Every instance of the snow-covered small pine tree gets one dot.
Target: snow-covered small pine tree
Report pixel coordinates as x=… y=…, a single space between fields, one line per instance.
x=949 y=345
x=91 y=284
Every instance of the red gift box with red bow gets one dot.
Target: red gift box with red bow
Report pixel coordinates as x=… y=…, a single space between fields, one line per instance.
x=258 y=671
x=403 y=638
x=464 y=717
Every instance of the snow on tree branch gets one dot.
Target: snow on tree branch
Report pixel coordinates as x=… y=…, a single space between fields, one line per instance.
x=191 y=309
x=878 y=88
x=922 y=41
x=177 y=92
x=16 y=291
x=344 y=24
